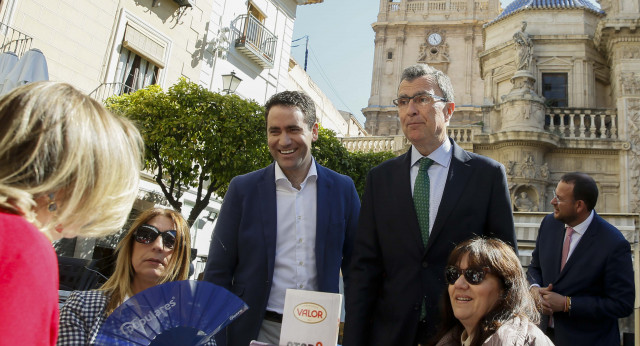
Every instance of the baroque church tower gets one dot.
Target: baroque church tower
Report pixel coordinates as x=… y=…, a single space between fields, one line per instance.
x=544 y=87
x=444 y=34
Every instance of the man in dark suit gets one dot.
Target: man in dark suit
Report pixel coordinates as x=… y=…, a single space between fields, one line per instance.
x=411 y=220
x=581 y=268
x=289 y=225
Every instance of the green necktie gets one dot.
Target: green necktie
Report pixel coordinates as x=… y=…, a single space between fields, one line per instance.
x=421 y=198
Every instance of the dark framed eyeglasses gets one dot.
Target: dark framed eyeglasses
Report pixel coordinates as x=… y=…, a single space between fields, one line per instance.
x=419 y=100
x=473 y=275
x=147 y=234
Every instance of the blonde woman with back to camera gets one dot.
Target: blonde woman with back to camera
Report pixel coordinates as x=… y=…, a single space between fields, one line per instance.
x=68 y=167
x=155 y=250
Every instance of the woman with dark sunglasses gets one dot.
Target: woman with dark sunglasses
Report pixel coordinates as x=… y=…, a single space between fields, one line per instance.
x=155 y=250
x=488 y=300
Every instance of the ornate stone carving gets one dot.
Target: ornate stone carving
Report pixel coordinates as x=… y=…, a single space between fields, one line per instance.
x=544 y=171
x=523 y=202
x=524 y=49
x=527 y=169
x=630 y=83
x=633 y=119
x=631 y=53
x=525 y=198
x=434 y=53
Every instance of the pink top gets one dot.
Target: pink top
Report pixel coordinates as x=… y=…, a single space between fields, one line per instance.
x=28 y=284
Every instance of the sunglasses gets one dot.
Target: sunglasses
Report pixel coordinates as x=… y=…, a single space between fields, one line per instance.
x=147 y=234
x=473 y=275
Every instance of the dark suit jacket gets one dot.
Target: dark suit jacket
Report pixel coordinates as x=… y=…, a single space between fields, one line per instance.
x=243 y=245
x=598 y=277
x=391 y=271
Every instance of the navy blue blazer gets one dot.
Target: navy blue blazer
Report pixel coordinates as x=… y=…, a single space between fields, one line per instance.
x=391 y=270
x=598 y=277
x=243 y=245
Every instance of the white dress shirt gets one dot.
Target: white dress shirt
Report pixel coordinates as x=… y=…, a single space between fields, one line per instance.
x=437 y=175
x=295 y=263
x=578 y=233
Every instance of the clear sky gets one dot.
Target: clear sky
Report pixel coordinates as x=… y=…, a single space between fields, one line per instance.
x=340 y=49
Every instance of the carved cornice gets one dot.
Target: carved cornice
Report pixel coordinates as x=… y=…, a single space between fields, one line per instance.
x=609 y=30
x=501 y=145
x=585 y=151
x=633 y=118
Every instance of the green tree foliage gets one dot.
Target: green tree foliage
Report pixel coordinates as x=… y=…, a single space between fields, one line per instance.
x=329 y=152
x=195 y=138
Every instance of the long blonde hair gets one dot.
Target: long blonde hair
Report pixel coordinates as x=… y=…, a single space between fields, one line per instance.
x=119 y=284
x=56 y=141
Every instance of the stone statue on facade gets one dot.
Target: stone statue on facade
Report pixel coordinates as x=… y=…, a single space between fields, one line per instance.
x=523 y=203
x=524 y=49
x=544 y=171
x=529 y=168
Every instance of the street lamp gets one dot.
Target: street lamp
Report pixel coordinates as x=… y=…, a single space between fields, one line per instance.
x=230 y=82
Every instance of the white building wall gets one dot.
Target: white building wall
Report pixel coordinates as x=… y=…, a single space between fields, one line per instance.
x=80 y=38
x=258 y=83
x=328 y=116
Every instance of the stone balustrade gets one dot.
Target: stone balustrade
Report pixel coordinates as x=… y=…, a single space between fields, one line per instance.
x=375 y=143
x=582 y=123
x=461 y=134
x=435 y=6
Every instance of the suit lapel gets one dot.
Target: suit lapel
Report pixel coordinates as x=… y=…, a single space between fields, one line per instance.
x=323 y=216
x=401 y=181
x=457 y=177
x=584 y=246
x=268 y=212
x=557 y=236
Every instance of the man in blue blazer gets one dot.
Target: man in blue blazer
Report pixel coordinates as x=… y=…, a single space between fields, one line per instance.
x=397 y=272
x=289 y=225
x=581 y=268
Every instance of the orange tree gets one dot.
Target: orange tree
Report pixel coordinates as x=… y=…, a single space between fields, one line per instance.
x=195 y=139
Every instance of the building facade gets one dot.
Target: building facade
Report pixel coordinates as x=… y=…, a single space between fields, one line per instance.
x=544 y=87
x=564 y=102
x=109 y=47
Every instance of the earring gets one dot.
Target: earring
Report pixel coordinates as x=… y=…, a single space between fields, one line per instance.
x=52 y=204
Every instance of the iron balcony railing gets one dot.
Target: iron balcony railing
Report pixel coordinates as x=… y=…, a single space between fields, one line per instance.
x=254 y=40
x=106 y=90
x=14 y=41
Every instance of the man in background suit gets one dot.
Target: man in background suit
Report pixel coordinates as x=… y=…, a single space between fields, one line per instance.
x=289 y=225
x=410 y=222
x=581 y=268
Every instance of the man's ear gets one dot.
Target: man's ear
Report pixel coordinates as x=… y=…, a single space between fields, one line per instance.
x=581 y=207
x=448 y=111
x=314 y=131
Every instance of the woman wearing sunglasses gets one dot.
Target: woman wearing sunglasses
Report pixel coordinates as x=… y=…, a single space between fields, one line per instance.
x=57 y=179
x=488 y=300
x=155 y=250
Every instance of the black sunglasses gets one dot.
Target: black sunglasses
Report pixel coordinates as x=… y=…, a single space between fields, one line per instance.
x=473 y=275
x=147 y=234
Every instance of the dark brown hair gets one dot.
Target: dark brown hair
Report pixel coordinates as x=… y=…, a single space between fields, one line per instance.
x=515 y=300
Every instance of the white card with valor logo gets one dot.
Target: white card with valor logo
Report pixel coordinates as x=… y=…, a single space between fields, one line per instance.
x=310 y=318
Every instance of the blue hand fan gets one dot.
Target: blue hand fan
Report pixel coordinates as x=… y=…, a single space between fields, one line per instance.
x=173 y=313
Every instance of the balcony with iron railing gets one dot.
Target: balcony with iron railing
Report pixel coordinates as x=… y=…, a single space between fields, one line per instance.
x=254 y=40
x=14 y=41
x=106 y=90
